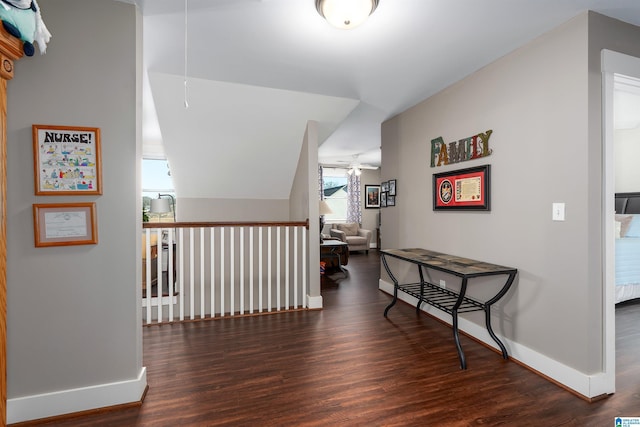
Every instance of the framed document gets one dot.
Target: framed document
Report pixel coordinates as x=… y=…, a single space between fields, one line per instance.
x=66 y=160
x=463 y=189
x=65 y=224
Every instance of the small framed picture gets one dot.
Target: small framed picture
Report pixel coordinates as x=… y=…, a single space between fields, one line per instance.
x=391 y=200
x=392 y=187
x=384 y=187
x=66 y=160
x=372 y=194
x=383 y=199
x=65 y=224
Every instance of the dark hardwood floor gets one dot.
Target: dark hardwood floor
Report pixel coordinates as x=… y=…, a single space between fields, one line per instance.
x=347 y=365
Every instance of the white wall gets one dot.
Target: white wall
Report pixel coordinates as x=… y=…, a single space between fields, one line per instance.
x=627 y=153
x=207 y=210
x=304 y=205
x=543 y=103
x=72 y=311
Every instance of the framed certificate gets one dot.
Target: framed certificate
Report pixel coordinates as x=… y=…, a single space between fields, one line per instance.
x=462 y=189
x=65 y=224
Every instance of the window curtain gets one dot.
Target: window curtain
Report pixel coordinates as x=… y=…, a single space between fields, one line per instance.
x=354 y=213
x=320 y=183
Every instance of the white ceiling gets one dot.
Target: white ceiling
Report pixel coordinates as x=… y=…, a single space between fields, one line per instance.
x=257 y=70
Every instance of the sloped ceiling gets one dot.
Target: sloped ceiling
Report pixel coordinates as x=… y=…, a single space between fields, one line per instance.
x=235 y=140
x=258 y=69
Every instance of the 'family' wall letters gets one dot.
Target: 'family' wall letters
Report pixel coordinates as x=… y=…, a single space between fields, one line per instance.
x=473 y=147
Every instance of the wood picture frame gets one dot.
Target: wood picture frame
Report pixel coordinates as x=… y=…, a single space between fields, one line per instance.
x=66 y=160
x=65 y=224
x=372 y=196
x=463 y=189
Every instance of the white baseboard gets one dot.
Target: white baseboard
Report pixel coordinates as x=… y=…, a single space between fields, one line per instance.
x=76 y=400
x=584 y=384
x=314 y=302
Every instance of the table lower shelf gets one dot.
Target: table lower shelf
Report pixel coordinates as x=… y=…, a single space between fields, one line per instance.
x=440 y=297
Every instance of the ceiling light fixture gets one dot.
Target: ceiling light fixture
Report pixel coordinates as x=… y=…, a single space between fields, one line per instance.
x=354 y=167
x=346 y=14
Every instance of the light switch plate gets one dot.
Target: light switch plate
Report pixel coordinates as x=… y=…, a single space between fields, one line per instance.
x=558 y=212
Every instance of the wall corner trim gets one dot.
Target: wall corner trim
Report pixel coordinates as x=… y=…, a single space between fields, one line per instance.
x=63 y=402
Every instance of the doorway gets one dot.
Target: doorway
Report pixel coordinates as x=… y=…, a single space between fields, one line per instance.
x=618 y=70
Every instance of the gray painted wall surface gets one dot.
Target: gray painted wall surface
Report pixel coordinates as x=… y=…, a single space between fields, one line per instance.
x=543 y=103
x=72 y=310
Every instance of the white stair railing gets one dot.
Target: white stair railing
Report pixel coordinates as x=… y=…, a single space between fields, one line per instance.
x=209 y=270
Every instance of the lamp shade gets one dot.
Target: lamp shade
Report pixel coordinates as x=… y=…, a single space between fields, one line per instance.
x=324 y=208
x=160 y=206
x=346 y=14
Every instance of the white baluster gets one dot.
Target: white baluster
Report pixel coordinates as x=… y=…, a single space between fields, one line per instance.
x=202 y=259
x=295 y=268
x=192 y=278
x=241 y=254
x=222 y=281
x=212 y=287
x=181 y=247
x=278 y=279
x=251 y=248
x=260 y=306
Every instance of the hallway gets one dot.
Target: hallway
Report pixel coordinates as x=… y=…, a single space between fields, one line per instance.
x=347 y=365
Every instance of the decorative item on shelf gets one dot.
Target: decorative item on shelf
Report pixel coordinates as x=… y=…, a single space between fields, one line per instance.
x=346 y=14
x=160 y=205
x=324 y=209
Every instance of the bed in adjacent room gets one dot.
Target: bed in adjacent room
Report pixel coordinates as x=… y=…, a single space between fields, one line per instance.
x=627 y=246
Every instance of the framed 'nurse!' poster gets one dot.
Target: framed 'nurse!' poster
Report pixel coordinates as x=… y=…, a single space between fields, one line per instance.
x=462 y=189
x=66 y=160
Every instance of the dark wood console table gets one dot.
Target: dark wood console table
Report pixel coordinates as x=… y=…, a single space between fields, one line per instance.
x=449 y=301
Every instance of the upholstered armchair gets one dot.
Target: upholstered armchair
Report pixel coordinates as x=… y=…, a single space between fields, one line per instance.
x=357 y=238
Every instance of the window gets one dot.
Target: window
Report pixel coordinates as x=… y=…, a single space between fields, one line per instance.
x=156 y=179
x=334 y=186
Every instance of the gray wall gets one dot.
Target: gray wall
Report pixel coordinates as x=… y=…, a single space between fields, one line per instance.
x=370 y=216
x=72 y=312
x=543 y=102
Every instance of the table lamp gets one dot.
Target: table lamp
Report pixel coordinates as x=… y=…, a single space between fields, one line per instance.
x=324 y=209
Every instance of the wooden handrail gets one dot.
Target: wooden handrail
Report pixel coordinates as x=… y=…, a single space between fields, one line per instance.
x=227 y=224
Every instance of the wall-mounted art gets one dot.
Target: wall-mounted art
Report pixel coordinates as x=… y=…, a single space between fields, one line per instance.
x=372 y=194
x=66 y=160
x=65 y=224
x=462 y=189
x=392 y=187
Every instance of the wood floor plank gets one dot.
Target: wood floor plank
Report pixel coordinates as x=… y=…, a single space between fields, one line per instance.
x=347 y=365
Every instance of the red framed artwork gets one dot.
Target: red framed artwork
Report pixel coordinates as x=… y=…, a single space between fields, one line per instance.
x=462 y=189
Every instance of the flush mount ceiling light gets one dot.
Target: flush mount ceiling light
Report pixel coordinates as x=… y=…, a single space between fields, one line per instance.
x=346 y=14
